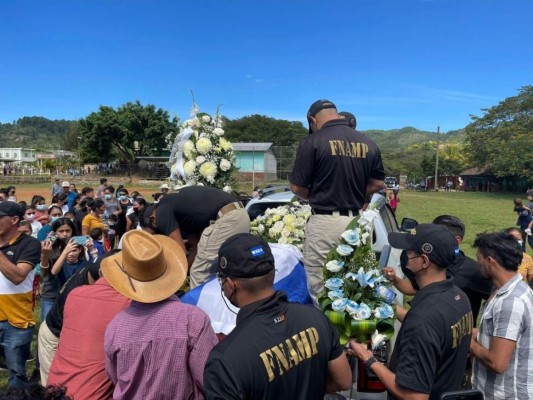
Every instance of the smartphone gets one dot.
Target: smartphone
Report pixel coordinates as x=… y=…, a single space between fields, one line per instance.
x=81 y=240
x=51 y=237
x=385 y=255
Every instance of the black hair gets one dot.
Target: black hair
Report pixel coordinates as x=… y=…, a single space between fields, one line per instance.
x=96 y=204
x=64 y=221
x=54 y=206
x=28 y=207
x=36 y=199
x=59 y=197
x=86 y=190
x=96 y=233
x=23 y=204
x=103 y=180
x=110 y=188
x=123 y=189
x=140 y=201
x=35 y=391
x=502 y=247
x=454 y=224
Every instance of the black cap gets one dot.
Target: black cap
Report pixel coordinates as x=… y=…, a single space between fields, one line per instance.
x=12 y=209
x=316 y=107
x=243 y=256
x=352 y=122
x=435 y=241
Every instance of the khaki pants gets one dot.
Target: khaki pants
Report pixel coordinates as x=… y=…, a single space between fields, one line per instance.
x=47 y=350
x=322 y=233
x=236 y=221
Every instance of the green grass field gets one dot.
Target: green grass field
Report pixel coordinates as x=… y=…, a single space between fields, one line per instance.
x=481 y=212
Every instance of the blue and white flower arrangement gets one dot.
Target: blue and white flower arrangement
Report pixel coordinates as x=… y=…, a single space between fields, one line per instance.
x=357 y=297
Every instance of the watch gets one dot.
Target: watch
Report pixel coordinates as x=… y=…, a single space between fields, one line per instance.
x=369 y=362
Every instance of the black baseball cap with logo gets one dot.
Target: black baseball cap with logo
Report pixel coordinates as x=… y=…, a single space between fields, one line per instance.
x=11 y=209
x=435 y=241
x=316 y=107
x=352 y=122
x=243 y=256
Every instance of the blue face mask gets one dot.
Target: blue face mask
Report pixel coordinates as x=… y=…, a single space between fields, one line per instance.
x=122 y=198
x=41 y=207
x=53 y=219
x=108 y=197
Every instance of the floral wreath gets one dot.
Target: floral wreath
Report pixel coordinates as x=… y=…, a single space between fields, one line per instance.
x=200 y=155
x=357 y=297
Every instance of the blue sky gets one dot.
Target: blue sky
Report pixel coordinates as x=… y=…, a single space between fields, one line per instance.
x=393 y=63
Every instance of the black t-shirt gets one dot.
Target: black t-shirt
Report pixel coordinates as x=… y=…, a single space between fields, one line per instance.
x=433 y=343
x=336 y=164
x=466 y=275
x=54 y=319
x=24 y=249
x=191 y=209
x=278 y=350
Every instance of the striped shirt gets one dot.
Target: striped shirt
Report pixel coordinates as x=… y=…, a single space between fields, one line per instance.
x=158 y=351
x=16 y=301
x=508 y=315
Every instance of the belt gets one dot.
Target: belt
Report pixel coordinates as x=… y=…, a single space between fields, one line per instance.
x=337 y=213
x=229 y=208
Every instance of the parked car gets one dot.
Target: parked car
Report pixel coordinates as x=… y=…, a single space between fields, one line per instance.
x=269 y=198
x=391 y=182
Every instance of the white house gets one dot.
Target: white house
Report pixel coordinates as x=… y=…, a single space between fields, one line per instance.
x=17 y=156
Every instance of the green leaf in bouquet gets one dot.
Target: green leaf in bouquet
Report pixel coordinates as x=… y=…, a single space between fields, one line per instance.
x=362 y=330
x=386 y=327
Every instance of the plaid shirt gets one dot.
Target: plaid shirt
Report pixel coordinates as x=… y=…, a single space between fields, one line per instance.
x=158 y=351
x=508 y=315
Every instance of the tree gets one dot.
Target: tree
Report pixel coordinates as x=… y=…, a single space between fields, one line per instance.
x=259 y=128
x=502 y=138
x=111 y=132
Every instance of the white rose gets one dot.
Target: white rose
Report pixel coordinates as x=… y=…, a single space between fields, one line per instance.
x=225 y=165
x=200 y=159
x=206 y=118
x=218 y=131
x=227 y=189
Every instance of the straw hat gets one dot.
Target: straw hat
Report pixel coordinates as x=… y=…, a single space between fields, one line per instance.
x=150 y=268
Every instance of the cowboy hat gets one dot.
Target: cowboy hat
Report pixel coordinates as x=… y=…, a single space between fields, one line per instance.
x=150 y=268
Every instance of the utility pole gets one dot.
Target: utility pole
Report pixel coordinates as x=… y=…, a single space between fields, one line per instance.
x=437 y=162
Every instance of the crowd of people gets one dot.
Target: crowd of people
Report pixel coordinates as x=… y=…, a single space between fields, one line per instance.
x=108 y=266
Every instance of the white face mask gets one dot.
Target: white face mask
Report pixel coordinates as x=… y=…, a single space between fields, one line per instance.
x=30 y=217
x=521 y=243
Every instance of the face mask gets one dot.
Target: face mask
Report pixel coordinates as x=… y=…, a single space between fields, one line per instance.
x=53 y=219
x=41 y=207
x=30 y=217
x=122 y=198
x=521 y=243
x=135 y=210
x=108 y=197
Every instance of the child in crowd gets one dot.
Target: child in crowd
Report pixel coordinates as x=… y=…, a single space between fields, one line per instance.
x=394 y=199
x=97 y=235
x=29 y=216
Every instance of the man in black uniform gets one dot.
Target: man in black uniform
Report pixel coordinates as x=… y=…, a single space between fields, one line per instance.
x=278 y=350
x=465 y=271
x=433 y=343
x=336 y=169
x=348 y=116
x=208 y=216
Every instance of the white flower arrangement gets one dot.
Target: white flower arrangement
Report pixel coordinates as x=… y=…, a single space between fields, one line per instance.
x=201 y=156
x=284 y=224
x=357 y=298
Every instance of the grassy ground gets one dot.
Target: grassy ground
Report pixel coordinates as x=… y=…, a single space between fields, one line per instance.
x=481 y=212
